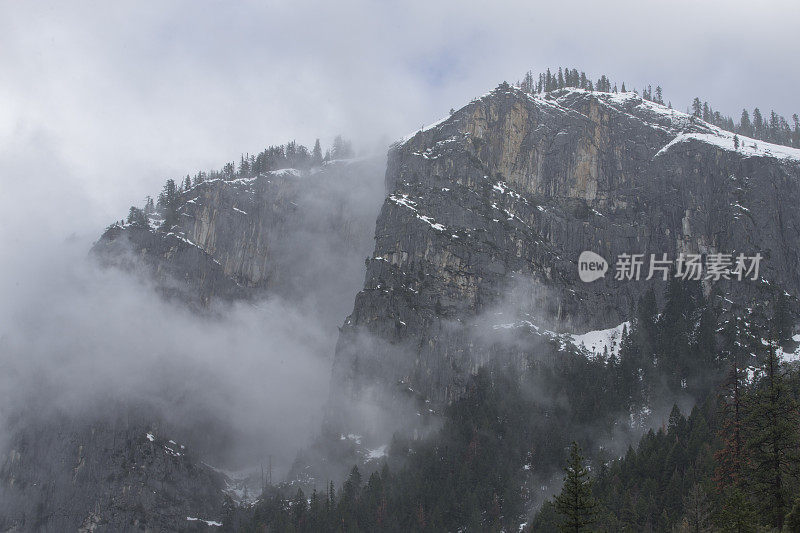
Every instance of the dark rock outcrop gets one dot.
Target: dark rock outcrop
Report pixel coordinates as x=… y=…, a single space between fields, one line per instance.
x=117 y=473
x=301 y=236
x=490 y=208
x=284 y=233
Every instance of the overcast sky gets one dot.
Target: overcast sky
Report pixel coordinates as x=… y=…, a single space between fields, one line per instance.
x=101 y=101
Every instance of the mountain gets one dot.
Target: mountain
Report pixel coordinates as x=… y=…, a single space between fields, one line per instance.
x=470 y=312
x=488 y=210
x=111 y=473
x=300 y=236
x=243 y=238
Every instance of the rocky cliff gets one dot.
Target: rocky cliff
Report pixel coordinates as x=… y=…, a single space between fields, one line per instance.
x=484 y=216
x=298 y=236
x=488 y=210
x=113 y=473
x=279 y=233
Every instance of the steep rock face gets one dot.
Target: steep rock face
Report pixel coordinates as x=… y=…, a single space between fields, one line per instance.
x=269 y=234
x=68 y=474
x=300 y=236
x=490 y=208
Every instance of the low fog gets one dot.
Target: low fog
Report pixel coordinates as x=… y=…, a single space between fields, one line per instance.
x=77 y=335
x=241 y=383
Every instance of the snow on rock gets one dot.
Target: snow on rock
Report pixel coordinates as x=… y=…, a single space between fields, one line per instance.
x=150 y=437
x=212 y=523
x=424 y=128
x=594 y=344
x=403 y=200
x=376 y=453
x=789 y=356
x=685 y=127
x=352 y=437
x=599 y=341
x=293 y=172
x=747 y=147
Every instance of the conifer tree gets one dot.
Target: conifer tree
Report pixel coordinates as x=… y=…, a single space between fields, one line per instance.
x=745 y=126
x=772 y=429
x=316 y=154
x=168 y=203
x=730 y=458
x=736 y=514
x=342 y=149
x=576 y=503
x=758 y=124
x=697 y=108
x=137 y=218
x=698 y=510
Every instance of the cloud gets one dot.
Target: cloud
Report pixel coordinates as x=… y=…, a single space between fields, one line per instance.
x=134 y=92
x=77 y=335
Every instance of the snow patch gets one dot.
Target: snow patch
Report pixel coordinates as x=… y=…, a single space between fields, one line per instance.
x=213 y=523
x=747 y=147
x=424 y=128
x=599 y=341
x=790 y=356
x=377 y=453
x=405 y=201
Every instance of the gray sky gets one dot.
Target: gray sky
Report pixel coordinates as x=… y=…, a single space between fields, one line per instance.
x=101 y=101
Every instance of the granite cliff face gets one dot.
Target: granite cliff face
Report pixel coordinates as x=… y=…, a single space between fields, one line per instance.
x=297 y=236
x=117 y=473
x=489 y=209
x=277 y=233
x=484 y=216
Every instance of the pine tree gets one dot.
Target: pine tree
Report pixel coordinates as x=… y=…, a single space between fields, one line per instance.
x=736 y=514
x=168 y=203
x=342 y=149
x=730 y=458
x=698 y=510
x=316 y=154
x=758 y=124
x=527 y=82
x=675 y=330
x=136 y=217
x=745 y=127
x=697 y=108
x=772 y=428
x=576 y=503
